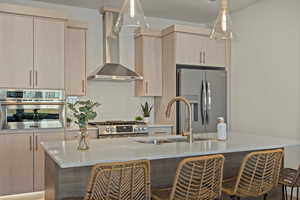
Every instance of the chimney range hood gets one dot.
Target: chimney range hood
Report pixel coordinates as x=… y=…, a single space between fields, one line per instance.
x=112 y=70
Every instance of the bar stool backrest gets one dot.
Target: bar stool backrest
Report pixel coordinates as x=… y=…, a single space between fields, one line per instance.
x=259 y=173
x=297 y=180
x=199 y=178
x=120 y=181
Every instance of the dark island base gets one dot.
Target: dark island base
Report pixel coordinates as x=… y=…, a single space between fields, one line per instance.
x=72 y=182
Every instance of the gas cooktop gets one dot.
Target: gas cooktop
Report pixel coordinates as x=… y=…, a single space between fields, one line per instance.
x=117 y=128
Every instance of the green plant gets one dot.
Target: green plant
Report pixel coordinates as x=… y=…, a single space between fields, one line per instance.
x=146 y=109
x=138 y=118
x=69 y=120
x=83 y=112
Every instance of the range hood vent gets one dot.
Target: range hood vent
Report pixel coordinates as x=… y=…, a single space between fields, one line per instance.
x=112 y=70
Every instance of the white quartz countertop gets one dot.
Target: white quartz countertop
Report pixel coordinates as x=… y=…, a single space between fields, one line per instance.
x=66 y=155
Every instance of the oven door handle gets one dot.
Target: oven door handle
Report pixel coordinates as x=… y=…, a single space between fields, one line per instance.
x=1 y=117
x=32 y=103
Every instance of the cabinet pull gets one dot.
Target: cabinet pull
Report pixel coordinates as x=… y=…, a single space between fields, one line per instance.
x=30 y=78
x=204 y=57
x=146 y=87
x=30 y=143
x=36 y=143
x=83 y=86
x=36 y=78
x=200 y=57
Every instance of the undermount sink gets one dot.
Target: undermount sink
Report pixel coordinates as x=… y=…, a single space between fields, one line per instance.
x=159 y=141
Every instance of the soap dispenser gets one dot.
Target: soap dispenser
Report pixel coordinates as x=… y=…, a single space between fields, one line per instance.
x=221 y=129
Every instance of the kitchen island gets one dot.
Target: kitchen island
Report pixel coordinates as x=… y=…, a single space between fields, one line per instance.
x=67 y=170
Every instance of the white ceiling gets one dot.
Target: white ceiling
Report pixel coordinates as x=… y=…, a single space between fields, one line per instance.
x=201 y=11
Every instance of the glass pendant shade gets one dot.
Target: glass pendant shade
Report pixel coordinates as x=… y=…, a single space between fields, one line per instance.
x=131 y=16
x=222 y=28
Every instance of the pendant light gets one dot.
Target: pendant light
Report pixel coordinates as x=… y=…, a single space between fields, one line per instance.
x=223 y=26
x=131 y=16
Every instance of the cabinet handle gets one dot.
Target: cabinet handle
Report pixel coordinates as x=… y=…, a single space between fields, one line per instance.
x=30 y=78
x=30 y=143
x=200 y=57
x=146 y=87
x=83 y=85
x=204 y=57
x=36 y=143
x=36 y=78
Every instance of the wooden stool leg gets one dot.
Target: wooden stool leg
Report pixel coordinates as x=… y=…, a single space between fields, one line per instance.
x=265 y=196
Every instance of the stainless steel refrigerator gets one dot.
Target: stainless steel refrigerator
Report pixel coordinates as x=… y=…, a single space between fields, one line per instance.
x=206 y=90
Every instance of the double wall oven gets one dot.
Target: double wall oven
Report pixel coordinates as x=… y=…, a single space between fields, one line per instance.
x=31 y=109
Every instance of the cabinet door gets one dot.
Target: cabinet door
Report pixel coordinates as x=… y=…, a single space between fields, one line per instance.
x=215 y=53
x=39 y=155
x=76 y=62
x=152 y=66
x=49 y=36
x=148 y=53
x=189 y=48
x=16 y=166
x=16 y=51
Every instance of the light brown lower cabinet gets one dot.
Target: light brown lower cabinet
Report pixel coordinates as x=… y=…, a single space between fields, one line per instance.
x=39 y=156
x=22 y=161
x=16 y=165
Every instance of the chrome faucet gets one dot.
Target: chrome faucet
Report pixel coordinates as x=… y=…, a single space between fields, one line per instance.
x=188 y=132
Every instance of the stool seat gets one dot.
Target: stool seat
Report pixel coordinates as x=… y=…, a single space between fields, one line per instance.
x=161 y=194
x=228 y=185
x=288 y=177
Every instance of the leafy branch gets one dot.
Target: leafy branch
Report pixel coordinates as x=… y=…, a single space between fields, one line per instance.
x=83 y=112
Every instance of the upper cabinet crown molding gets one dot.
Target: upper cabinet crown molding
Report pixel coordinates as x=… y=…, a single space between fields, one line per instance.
x=145 y=32
x=186 y=29
x=31 y=11
x=77 y=24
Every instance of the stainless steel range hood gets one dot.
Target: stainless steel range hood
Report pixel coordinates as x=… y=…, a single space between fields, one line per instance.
x=112 y=70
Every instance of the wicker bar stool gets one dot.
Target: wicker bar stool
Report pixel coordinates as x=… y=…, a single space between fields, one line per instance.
x=258 y=175
x=196 y=178
x=290 y=178
x=119 y=181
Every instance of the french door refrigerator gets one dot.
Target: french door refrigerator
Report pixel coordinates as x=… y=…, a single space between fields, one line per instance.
x=205 y=88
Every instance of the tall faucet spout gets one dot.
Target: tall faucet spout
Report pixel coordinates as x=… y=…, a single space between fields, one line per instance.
x=189 y=132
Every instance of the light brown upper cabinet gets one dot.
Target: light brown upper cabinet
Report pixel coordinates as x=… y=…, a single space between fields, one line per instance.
x=16 y=51
x=196 y=48
x=148 y=55
x=49 y=57
x=76 y=58
x=31 y=47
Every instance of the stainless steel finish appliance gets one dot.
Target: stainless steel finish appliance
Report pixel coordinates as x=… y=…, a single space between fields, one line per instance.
x=206 y=90
x=31 y=109
x=112 y=70
x=121 y=128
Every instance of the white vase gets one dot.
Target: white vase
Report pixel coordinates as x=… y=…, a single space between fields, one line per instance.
x=147 y=120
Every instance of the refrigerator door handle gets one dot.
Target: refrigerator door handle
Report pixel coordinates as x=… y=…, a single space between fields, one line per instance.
x=208 y=109
x=203 y=103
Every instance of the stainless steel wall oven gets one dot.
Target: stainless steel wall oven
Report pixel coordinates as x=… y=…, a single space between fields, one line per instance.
x=31 y=109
